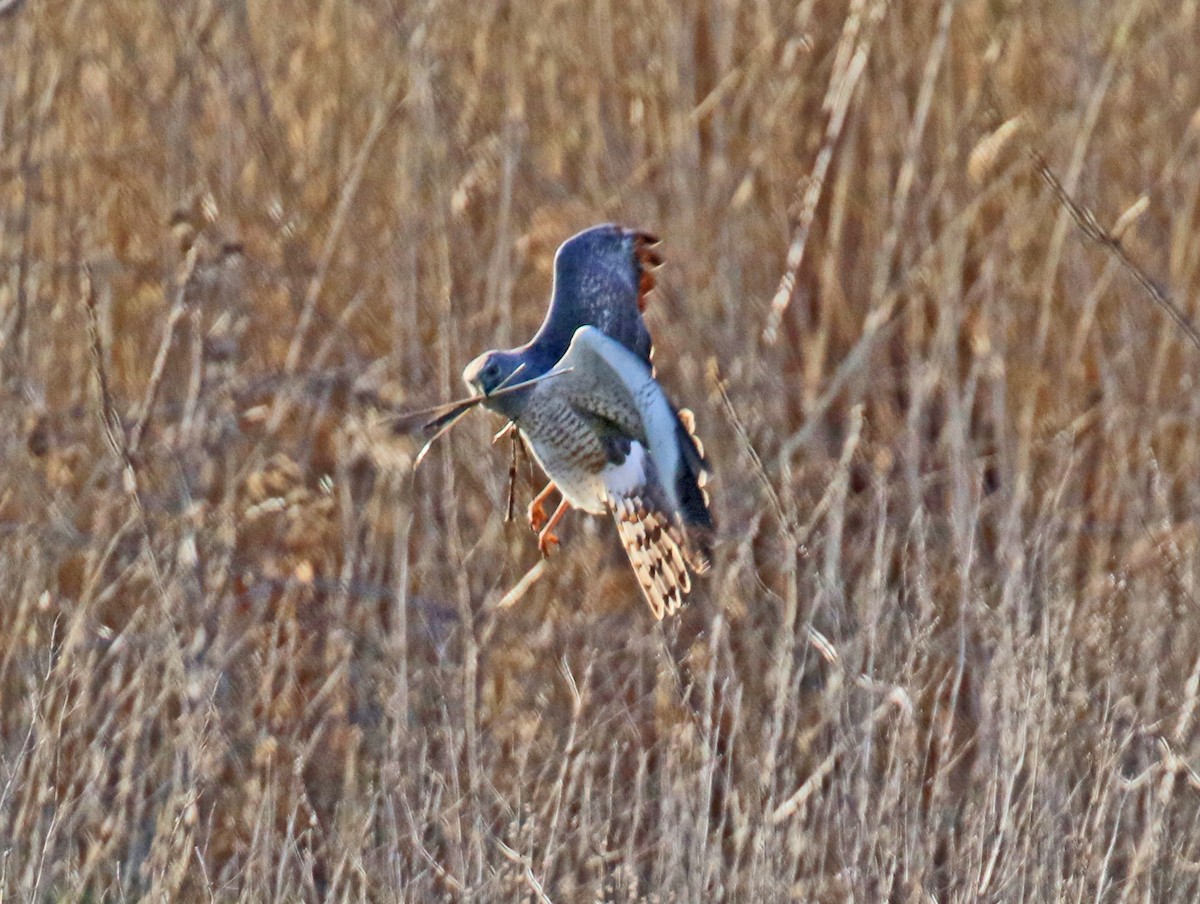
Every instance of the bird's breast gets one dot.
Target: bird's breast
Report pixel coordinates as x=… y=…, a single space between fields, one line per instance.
x=567 y=450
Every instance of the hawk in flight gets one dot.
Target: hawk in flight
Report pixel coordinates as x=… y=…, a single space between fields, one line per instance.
x=599 y=424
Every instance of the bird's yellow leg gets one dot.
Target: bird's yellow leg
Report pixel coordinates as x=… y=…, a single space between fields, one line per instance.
x=546 y=538
x=537 y=508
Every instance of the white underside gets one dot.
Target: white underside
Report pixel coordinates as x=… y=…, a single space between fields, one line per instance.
x=624 y=479
x=591 y=492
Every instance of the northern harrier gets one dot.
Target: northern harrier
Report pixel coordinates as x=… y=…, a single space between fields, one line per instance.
x=601 y=426
x=601 y=279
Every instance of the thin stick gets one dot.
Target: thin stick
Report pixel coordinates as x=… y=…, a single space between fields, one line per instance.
x=164 y=349
x=114 y=434
x=442 y=425
x=1091 y=228
x=512 y=480
x=383 y=115
x=522 y=586
x=524 y=862
x=109 y=419
x=760 y=470
x=512 y=376
x=404 y=423
x=847 y=70
x=453 y=412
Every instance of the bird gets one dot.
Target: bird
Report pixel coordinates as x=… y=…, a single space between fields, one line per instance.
x=583 y=396
x=597 y=420
x=602 y=278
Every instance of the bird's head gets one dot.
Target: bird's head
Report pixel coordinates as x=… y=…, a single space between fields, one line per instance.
x=495 y=370
x=490 y=371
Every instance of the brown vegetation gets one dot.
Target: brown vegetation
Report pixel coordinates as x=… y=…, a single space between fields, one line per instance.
x=950 y=646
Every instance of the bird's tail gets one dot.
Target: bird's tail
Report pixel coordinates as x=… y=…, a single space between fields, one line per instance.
x=656 y=546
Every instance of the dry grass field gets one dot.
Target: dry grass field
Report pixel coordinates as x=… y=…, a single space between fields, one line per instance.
x=949 y=650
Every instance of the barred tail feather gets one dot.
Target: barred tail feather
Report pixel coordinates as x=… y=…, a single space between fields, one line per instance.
x=655 y=548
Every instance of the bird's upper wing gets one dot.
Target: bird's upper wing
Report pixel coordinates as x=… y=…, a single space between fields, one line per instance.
x=610 y=383
x=601 y=279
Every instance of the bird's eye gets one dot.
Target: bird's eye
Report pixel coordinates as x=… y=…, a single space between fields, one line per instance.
x=492 y=370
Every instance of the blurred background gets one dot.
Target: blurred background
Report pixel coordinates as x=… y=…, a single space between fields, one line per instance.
x=950 y=646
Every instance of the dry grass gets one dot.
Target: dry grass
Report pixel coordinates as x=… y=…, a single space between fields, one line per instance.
x=949 y=647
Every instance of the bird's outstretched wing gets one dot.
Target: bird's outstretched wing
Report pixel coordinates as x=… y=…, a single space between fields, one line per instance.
x=601 y=279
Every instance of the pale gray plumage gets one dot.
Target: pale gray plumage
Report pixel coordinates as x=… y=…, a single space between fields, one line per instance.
x=606 y=434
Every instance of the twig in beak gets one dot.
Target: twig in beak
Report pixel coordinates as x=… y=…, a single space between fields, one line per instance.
x=449 y=414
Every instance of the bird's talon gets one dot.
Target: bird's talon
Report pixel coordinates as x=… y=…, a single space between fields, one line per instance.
x=546 y=543
x=537 y=516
